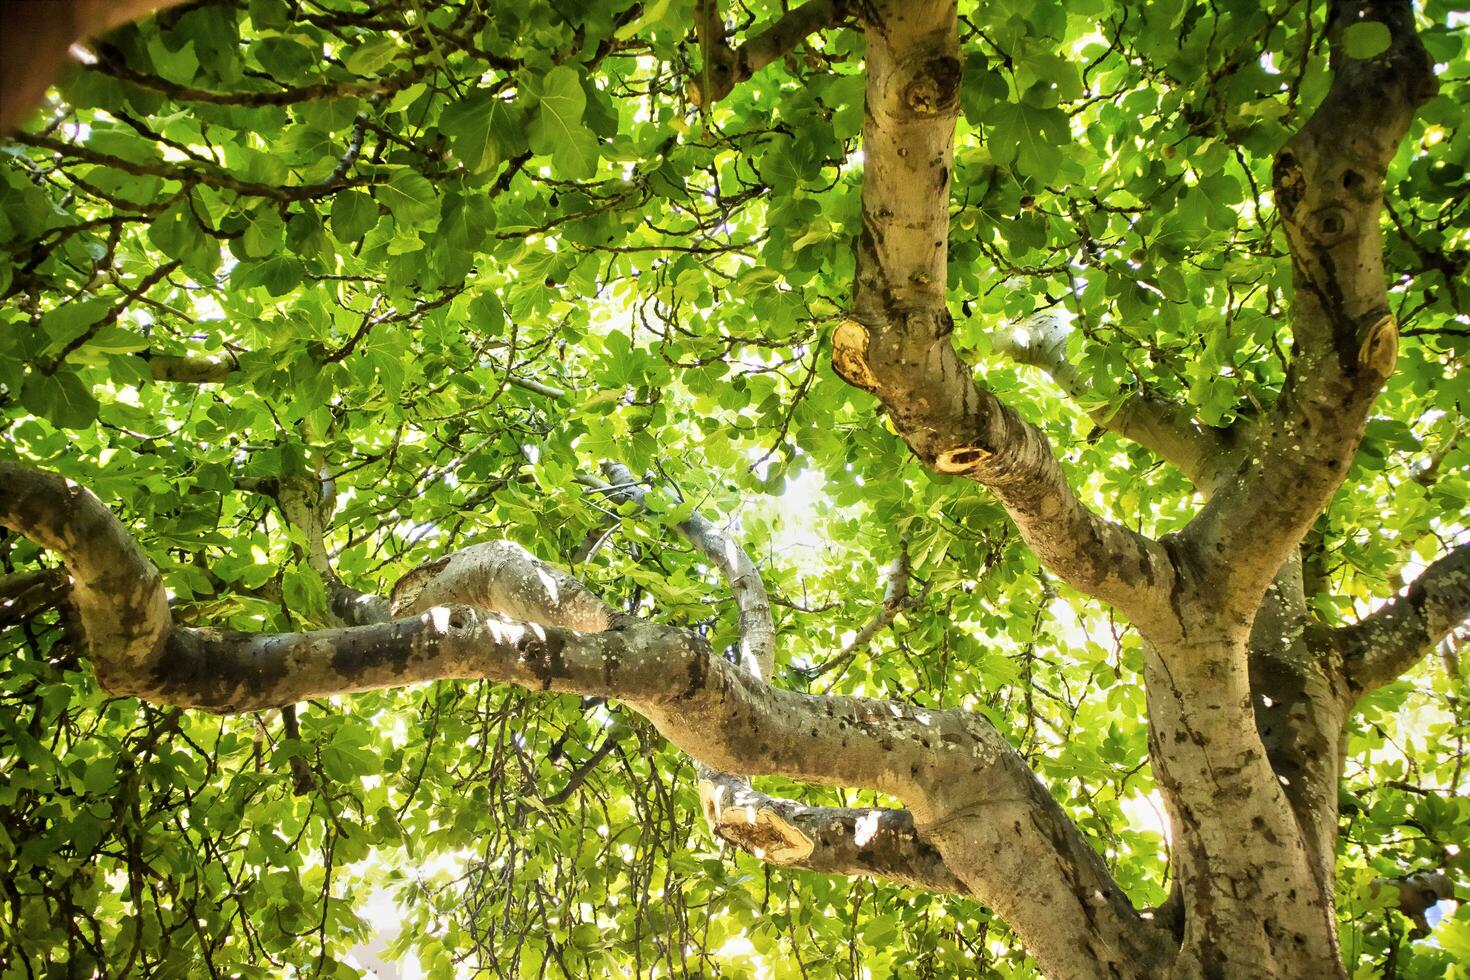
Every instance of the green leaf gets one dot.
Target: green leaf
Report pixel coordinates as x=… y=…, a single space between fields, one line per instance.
x=304 y=593
x=262 y=235
x=367 y=58
x=61 y=398
x=353 y=215
x=409 y=196
x=70 y=320
x=1366 y=39
x=486 y=315
x=481 y=129
x=557 y=129
x=279 y=274
x=1029 y=138
x=177 y=233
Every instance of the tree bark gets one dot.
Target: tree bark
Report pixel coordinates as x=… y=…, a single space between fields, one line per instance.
x=978 y=821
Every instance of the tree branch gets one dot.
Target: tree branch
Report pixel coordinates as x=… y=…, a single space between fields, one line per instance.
x=1167 y=429
x=193 y=369
x=210 y=174
x=1383 y=645
x=1328 y=183
x=757 y=630
x=896 y=598
x=896 y=344
x=25 y=593
x=835 y=840
x=1417 y=894
x=206 y=369
x=290 y=95
x=725 y=67
x=117 y=591
x=971 y=796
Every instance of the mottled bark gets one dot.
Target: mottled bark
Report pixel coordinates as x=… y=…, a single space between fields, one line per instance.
x=123 y=609
x=1404 y=629
x=1246 y=695
x=895 y=341
x=1246 y=703
x=1300 y=707
x=1246 y=710
x=1328 y=183
x=978 y=821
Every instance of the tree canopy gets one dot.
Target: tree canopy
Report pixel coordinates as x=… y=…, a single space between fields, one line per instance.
x=825 y=393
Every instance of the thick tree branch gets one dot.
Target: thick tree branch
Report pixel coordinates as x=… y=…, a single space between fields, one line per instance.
x=971 y=795
x=503 y=576
x=1165 y=428
x=896 y=341
x=117 y=591
x=1399 y=634
x=1328 y=184
x=725 y=67
x=835 y=840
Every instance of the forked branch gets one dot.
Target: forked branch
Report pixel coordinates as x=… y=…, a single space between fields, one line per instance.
x=1165 y=428
x=1328 y=182
x=973 y=801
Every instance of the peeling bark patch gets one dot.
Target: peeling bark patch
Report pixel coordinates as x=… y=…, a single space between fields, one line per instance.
x=406 y=590
x=1380 y=348
x=960 y=460
x=765 y=833
x=850 y=355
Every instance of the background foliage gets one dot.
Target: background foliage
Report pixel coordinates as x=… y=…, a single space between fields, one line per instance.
x=453 y=255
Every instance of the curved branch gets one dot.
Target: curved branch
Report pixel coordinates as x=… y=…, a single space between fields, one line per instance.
x=834 y=840
x=503 y=576
x=1328 y=183
x=1393 y=639
x=1165 y=428
x=757 y=630
x=971 y=795
x=725 y=67
x=212 y=175
x=290 y=95
x=896 y=344
x=118 y=592
x=896 y=598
